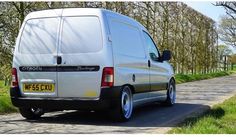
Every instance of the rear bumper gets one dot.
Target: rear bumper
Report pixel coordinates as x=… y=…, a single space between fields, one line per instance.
x=108 y=99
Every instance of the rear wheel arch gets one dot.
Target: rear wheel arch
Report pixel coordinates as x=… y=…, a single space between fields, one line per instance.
x=131 y=87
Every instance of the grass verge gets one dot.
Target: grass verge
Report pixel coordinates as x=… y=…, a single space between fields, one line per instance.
x=221 y=119
x=182 y=78
x=6 y=105
x=5 y=102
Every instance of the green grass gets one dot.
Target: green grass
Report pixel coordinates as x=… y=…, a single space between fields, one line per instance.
x=6 y=105
x=3 y=89
x=5 y=102
x=221 y=119
x=182 y=78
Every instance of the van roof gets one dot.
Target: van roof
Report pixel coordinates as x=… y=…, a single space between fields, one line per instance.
x=79 y=11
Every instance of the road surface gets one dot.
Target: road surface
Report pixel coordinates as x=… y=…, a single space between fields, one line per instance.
x=192 y=99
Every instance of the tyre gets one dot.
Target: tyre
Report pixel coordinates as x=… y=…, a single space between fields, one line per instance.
x=171 y=93
x=124 y=108
x=31 y=113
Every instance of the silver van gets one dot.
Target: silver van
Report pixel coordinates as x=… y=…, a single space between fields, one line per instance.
x=87 y=59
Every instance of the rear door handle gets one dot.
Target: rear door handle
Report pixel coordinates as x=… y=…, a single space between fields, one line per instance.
x=59 y=59
x=149 y=63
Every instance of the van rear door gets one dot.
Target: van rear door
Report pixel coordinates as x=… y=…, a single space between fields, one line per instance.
x=36 y=57
x=79 y=74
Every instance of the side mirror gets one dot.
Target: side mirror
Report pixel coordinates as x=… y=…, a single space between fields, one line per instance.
x=166 y=55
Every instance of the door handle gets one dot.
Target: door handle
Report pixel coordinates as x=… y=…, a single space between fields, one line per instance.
x=149 y=63
x=133 y=78
x=59 y=59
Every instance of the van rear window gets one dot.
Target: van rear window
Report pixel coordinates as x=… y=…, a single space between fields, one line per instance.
x=81 y=35
x=39 y=36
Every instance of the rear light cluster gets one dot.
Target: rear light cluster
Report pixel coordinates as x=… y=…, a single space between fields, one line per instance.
x=107 y=77
x=14 y=82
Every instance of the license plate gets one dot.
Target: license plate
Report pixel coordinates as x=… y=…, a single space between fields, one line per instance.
x=38 y=87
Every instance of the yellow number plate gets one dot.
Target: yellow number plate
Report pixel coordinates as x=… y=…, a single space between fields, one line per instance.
x=38 y=87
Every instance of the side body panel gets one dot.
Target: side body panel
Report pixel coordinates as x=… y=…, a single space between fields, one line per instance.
x=160 y=71
x=159 y=78
x=150 y=82
x=130 y=60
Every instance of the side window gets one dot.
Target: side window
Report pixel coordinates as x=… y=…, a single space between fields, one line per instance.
x=152 y=49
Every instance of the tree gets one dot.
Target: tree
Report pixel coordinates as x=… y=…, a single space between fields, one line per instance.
x=12 y=15
x=230 y=8
x=227 y=31
x=224 y=53
x=190 y=35
x=232 y=60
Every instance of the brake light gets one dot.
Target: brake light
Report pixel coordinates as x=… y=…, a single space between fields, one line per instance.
x=107 y=77
x=14 y=78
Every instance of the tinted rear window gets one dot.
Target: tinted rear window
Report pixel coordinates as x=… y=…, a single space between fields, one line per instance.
x=81 y=35
x=39 y=36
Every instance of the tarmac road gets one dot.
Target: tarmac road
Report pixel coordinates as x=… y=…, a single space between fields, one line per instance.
x=193 y=98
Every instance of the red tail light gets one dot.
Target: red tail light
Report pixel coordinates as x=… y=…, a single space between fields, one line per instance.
x=107 y=77
x=14 y=78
